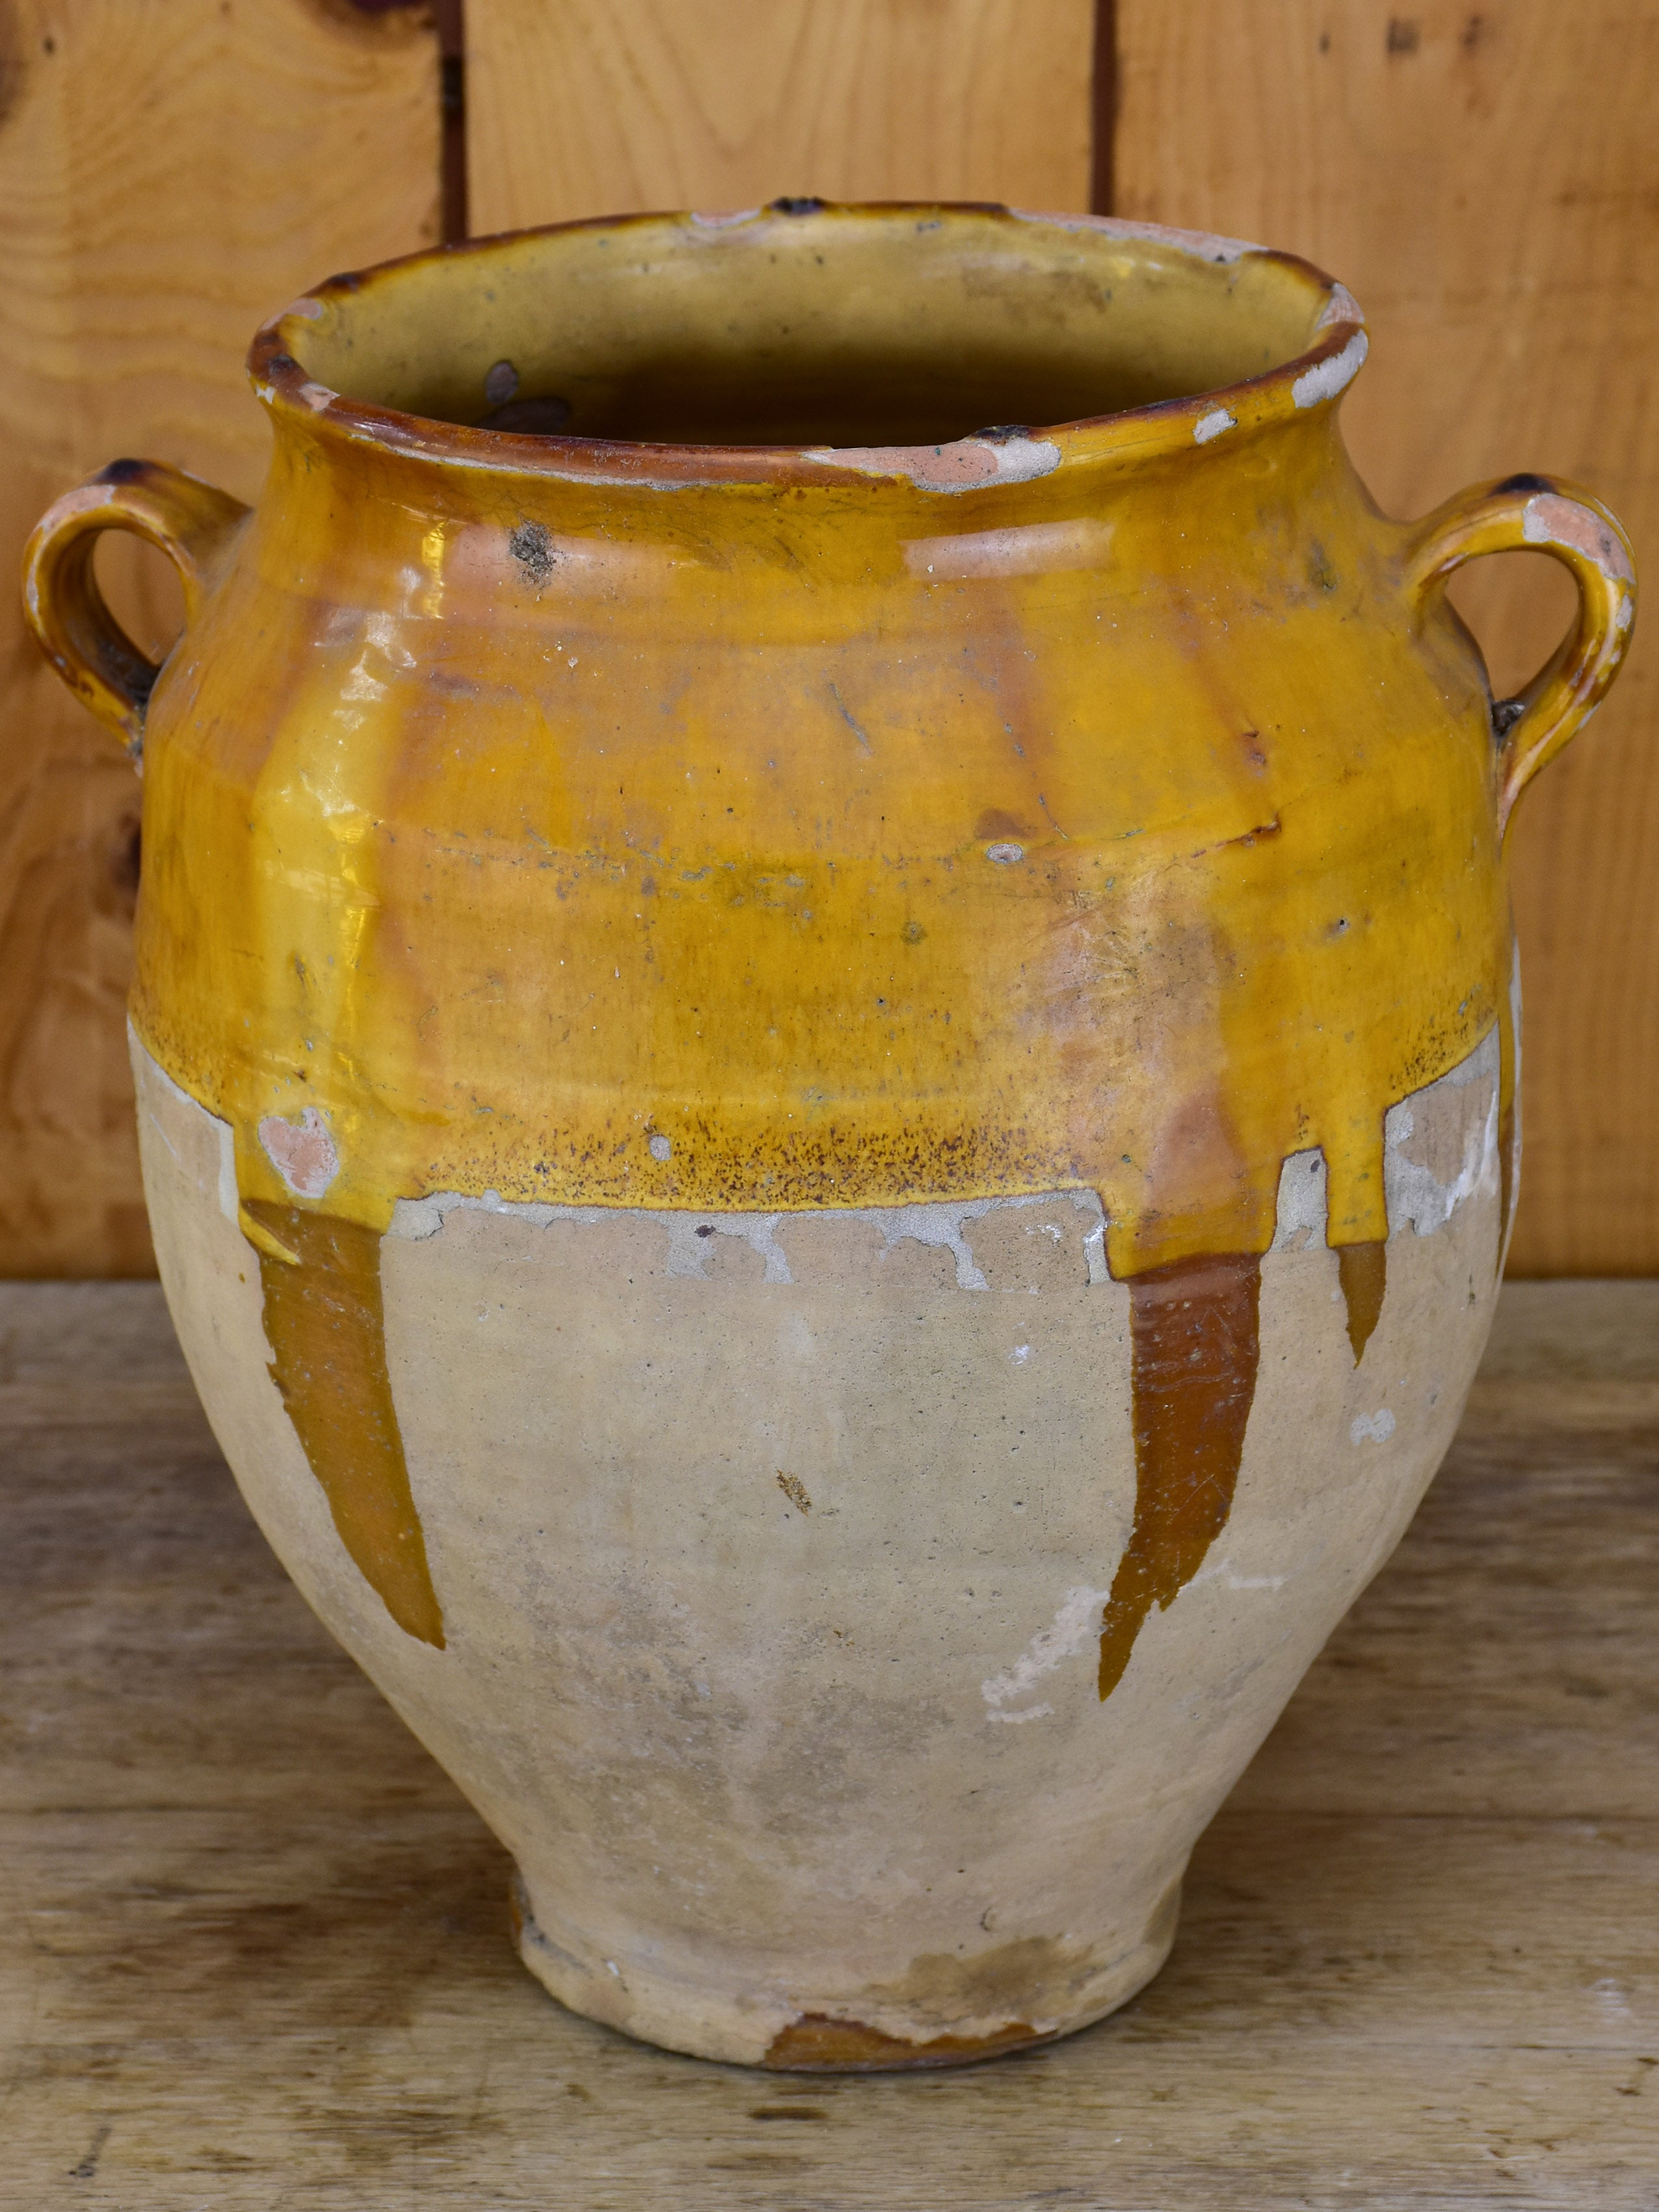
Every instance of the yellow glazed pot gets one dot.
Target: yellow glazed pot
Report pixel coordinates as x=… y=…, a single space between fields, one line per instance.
x=827 y=1093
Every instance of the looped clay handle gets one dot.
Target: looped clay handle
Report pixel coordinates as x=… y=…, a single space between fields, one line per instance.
x=1536 y=515
x=189 y=522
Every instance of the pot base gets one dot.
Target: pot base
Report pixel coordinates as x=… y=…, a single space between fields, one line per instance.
x=704 y=2025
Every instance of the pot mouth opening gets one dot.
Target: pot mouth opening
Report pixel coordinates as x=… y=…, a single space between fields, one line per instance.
x=810 y=333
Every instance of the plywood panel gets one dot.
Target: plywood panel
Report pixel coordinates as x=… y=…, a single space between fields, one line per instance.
x=170 y=171
x=580 y=107
x=1486 y=179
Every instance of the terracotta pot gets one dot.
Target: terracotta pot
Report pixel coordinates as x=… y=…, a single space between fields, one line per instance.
x=828 y=1096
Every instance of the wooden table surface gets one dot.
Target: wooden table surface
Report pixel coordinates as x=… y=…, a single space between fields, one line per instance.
x=253 y=1948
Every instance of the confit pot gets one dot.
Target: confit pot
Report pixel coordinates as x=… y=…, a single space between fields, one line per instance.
x=828 y=1095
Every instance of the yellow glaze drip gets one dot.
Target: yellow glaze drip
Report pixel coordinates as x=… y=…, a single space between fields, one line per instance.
x=1362 y=1273
x=324 y=1323
x=1194 y=1344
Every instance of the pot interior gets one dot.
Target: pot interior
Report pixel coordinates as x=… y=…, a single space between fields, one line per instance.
x=808 y=326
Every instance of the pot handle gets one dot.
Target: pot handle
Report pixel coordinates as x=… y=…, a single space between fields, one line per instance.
x=189 y=522
x=1536 y=515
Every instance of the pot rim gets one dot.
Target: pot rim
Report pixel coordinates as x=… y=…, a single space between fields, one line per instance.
x=1307 y=384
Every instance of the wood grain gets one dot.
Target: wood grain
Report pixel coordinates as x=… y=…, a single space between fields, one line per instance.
x=1486 y=180
x=580 y=108
x=253 y=1946
x=168 y=175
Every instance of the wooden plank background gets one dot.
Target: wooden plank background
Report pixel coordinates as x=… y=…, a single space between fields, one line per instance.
x=594 y=106
x=1486 y=179
x=170 y=172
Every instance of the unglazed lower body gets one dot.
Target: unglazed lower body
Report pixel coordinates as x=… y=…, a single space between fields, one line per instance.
x=773 y=1553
